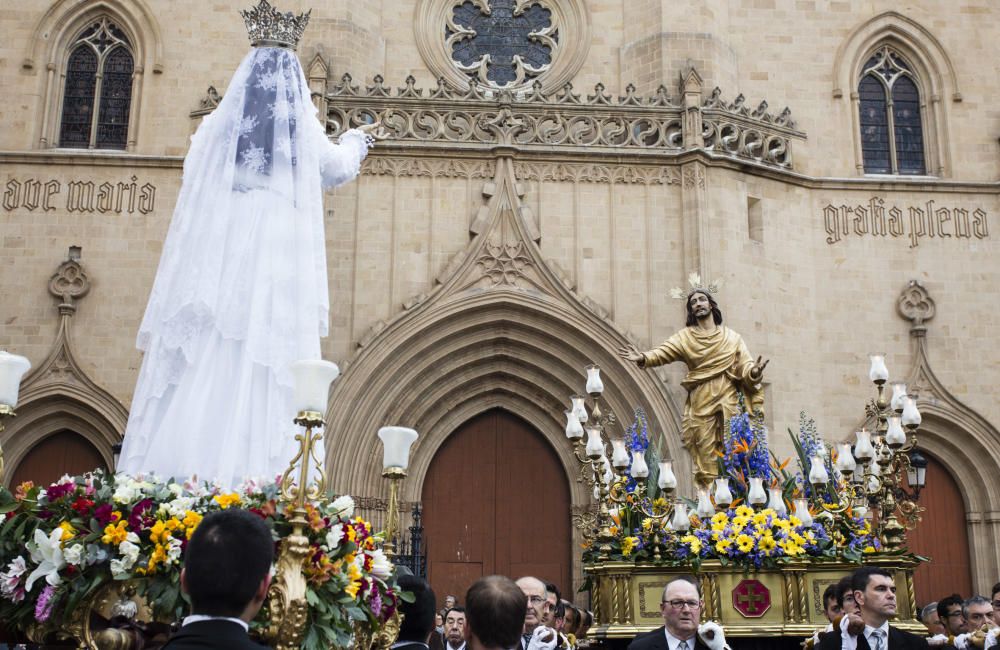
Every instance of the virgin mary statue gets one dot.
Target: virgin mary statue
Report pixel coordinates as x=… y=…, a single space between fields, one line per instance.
x=241 y=290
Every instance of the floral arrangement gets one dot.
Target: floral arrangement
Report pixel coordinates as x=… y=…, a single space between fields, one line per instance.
x=740 y=535
x=87 y=531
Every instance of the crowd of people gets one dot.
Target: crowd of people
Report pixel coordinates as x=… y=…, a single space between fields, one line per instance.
x=544 y=620
x=226 y=576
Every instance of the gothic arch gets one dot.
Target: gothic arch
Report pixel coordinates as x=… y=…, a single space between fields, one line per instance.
x=46 y=415
x=429 y=371
x=49 y=46
x=933 y=70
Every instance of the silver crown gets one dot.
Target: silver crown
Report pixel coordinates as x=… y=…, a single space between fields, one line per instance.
x=268 y=27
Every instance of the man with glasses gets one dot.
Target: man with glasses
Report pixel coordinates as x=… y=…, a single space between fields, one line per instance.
x=950 y=613
x=537 y=596
x=681 y=609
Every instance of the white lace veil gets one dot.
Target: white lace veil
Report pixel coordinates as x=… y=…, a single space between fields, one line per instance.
x=245 y=251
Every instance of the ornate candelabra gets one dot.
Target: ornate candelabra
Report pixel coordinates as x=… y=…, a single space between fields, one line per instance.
x=873 y=472
x=396 y=442
x=303 y=480
x=12 y=368
x=609 y=478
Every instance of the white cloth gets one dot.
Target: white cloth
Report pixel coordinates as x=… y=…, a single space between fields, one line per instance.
x=198 y=618
x=241 y=289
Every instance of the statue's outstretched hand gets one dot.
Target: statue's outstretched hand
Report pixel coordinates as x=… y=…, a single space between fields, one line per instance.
x=757 y=371
x=375 y=130
x=630 y=353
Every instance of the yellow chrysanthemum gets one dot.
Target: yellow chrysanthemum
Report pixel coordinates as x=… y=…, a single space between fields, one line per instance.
x=226 y=500
x=628 y=545
x=660 y=503
x=352 y=588
x=159 y=534
x=67 y=531
x=720 y=519
x=760 y=519
x=798 y=539
x=744 y=511
x=115 y=534
x=190 y=522
x=795 y=521
x=647 y=524
x=739 y=523
x=744 y=543
x=722 y=546
x=693 y=543
x=766 y=543
x=782 y=525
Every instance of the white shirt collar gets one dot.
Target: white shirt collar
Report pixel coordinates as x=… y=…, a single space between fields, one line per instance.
x=448 y=646
x=673 y=642
x=198 y=618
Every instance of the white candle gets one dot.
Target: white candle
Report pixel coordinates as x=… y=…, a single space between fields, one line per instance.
x=574 y=430
x=898 y=395
x=580 y=408
x=723 y=495
x=595 y=446
x=817 y=471
x=756 y=496
x=894 y=435
x=619 y=455
x=802 y=512
x=776 y=502
x=667 y=480
x=911 y=415
x=639 y=468
x=680 y=522
x=705 y=508
x=878 y=372
x=863 y=450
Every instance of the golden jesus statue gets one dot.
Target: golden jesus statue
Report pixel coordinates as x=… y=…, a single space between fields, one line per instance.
x=719 y=366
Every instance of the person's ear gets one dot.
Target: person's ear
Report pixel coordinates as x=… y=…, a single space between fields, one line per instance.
x=265 y=584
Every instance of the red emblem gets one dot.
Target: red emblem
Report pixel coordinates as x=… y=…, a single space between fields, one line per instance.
x=751 y=598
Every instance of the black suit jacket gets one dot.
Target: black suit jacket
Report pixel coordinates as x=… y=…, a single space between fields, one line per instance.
x=220 y=635
x=657 y=640
x=898 y=640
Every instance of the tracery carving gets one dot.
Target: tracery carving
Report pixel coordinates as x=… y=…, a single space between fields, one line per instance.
x=596 y=123
x=575 y=173
x=386 y=166
x=494 y=44
x=915 y=304
x=501 y=43
x=503 y=263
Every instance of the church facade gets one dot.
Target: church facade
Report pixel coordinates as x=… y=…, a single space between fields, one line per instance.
x=554 y=168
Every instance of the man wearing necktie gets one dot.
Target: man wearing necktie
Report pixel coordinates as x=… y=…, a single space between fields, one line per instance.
x=875 y=593
x=681 y=608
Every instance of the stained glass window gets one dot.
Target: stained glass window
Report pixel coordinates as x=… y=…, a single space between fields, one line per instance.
x=98 y=93
x=503 y=44
x=892 y=140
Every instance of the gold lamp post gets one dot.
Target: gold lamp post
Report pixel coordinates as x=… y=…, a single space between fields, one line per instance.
x=12 y=368
x=396 y=443
x=303 y=480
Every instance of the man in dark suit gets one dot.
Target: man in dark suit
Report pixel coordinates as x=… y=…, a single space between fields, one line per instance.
x=418 y=616
x=875 y=593
x=226 y=574
x=681 y=607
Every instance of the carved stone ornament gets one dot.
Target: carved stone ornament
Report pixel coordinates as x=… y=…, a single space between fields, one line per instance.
x=69 y=282
x=915 y=304
x=503 y=43
x=591 y=124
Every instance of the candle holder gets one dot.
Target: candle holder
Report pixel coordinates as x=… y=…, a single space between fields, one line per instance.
x=303 y=480
x=396 y=443
x=12 y=368
x=874 y=481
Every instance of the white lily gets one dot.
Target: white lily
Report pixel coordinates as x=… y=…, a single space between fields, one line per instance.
x=381 y=566
x=47 y=551
x=334 y=537
x=343 y=506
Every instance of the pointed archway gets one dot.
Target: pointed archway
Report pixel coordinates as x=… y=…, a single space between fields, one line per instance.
x=502 y=330
x=496 y=501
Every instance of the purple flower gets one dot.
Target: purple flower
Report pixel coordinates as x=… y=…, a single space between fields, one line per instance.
x=102 y=514
x=57 y=491
x=138 y=519
x=43 y=606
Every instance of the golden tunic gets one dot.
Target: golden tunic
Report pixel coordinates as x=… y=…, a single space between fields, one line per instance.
x=719 y=365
